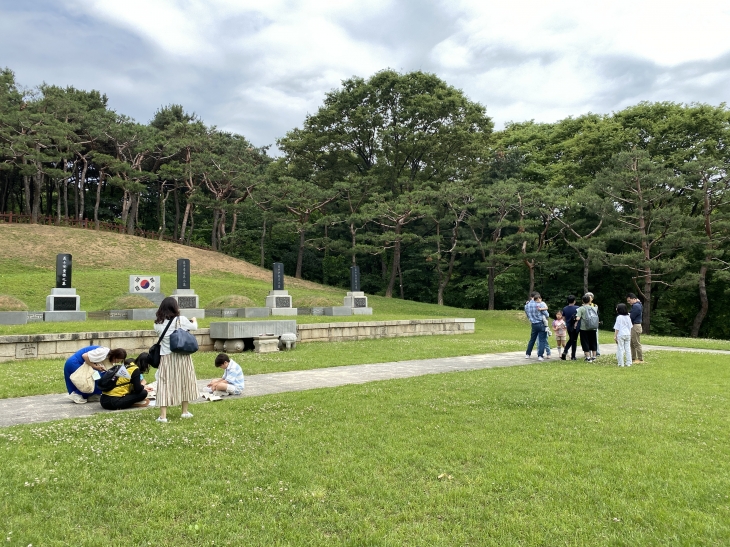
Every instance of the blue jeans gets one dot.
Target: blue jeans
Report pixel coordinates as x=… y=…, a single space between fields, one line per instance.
x=539 y=333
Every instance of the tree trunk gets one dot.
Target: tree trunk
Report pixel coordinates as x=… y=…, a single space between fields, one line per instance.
x=65 y=198
x=184 y=222
x=300 y=254
x=646 y=318
x=214 y=230
x=82 y=188
x=132 y=215
x=37 y=185
x=263 y=242
x=98 y=200
x=125 y=206
x=704 y=302
x=400 y=282
x=396 y=261
x=353 y=235
x=586 y=264
x=26 y=191
x=177 y=213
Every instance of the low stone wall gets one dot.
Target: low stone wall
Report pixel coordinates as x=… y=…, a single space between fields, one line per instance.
x=338 y=332
x=50 y=346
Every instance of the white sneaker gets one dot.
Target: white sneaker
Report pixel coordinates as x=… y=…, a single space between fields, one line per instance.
x=527 y=356
x=206 y=389
x=161 y=420
x=186 y=415
x=540 y=359
x=76 y=398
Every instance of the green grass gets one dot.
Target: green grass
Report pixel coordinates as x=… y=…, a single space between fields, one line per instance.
x=495 y=332
x=554 y=454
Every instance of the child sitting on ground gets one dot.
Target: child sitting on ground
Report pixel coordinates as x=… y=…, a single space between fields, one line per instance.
x=232 y=381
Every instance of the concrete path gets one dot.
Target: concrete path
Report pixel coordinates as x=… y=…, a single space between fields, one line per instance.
x=45 y=408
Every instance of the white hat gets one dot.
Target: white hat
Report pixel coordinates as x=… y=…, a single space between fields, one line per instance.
x=98 y=355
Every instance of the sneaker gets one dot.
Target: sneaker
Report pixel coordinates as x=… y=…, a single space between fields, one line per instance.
x=161 y=420
x=527 y=356
x=562 y=357
x=93 y=398
x=76 y=398
x=186 y=415
x=588 y=359
x=540 y=359
x=206 y=389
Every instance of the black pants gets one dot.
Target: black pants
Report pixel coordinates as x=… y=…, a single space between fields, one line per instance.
x=572 y=342
x=589 y=340
x=118 y=403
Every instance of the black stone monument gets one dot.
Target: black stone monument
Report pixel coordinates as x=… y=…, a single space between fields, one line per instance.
x=63 y=271
x=355 y=278
x=278 y=269
x=183 y=273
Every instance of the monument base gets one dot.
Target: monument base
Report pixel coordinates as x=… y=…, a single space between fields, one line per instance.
x=283 y=311
x=254 y=312
x=362 y=311
x=13 y=317
x=58 y=316
x=190 y=313
x=338 y=310
x=142 y=314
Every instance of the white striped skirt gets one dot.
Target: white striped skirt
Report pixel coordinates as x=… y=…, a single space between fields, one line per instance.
x=176 y=380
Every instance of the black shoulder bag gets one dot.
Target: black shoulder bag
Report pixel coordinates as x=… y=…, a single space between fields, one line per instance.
x=154 y=353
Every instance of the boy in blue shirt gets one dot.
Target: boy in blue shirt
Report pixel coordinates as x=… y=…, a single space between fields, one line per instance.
x=232 y=381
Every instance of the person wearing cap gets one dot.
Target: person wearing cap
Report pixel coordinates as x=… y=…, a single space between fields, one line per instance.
x=93 y=356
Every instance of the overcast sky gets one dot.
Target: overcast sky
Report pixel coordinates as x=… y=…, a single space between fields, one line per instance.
x=257 y=68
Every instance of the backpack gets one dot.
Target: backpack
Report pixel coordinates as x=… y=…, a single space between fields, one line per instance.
x=108 y=380
x=589 y=321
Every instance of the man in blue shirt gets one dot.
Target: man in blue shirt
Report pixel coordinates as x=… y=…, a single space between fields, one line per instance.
x=636 y=315
x=539 y=330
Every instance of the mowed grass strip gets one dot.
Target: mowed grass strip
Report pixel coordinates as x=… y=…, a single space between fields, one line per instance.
x=549 y=454
x=495 y=332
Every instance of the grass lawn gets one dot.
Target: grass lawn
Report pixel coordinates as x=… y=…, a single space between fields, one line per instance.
x=550 y=454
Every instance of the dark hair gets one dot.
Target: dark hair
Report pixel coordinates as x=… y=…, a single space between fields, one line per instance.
x=631 y=295
x=533 y=293
x=128 y=361
x=222 y=358
x=118 y=354
x=586 y=299
x=571 y=299
x=536 y=295
x=621 y=309
x=168 y=310
x=143 y=362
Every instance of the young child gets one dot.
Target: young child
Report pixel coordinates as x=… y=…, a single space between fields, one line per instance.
x=622 y=335
x=561 y=331
x=232 y=381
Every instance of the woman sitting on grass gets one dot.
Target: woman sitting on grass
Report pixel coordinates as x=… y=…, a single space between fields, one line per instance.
x=129 y=390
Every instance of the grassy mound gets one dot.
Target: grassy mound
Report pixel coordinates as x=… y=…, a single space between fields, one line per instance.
x=317 y=301
x=130 y=302
x=10 y=303
x=231 y=301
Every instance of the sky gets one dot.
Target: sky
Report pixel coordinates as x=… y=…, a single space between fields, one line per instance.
x=258 y=68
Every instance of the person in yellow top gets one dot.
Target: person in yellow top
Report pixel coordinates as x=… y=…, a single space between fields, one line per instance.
x=129 y=389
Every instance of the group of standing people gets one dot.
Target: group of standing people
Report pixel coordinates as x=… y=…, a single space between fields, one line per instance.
x=575 y=322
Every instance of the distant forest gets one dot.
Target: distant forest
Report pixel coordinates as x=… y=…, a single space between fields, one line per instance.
x=406 y=177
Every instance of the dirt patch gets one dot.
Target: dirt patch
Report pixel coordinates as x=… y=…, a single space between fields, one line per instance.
x=38 y=246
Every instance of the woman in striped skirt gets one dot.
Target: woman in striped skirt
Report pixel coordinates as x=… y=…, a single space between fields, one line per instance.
x=176 y=383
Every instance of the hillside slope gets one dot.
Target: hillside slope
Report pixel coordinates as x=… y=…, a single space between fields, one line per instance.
x=37 y=246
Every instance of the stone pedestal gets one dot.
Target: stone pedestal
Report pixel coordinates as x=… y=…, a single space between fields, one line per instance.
x=63 y=305
x=280 y=303
x=188 y=302
x=265 y=343
x=358 y=302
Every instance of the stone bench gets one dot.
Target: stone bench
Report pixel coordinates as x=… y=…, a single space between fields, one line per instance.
x=237 y=336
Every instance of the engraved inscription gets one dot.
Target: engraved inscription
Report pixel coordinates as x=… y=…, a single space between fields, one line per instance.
x=25 y=350
x=361 y=302
x=283 y=302
x=186 y=302
x=64 y=303
x=35 y=317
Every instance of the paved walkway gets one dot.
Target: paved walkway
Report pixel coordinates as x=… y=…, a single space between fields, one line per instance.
x=45 y=408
